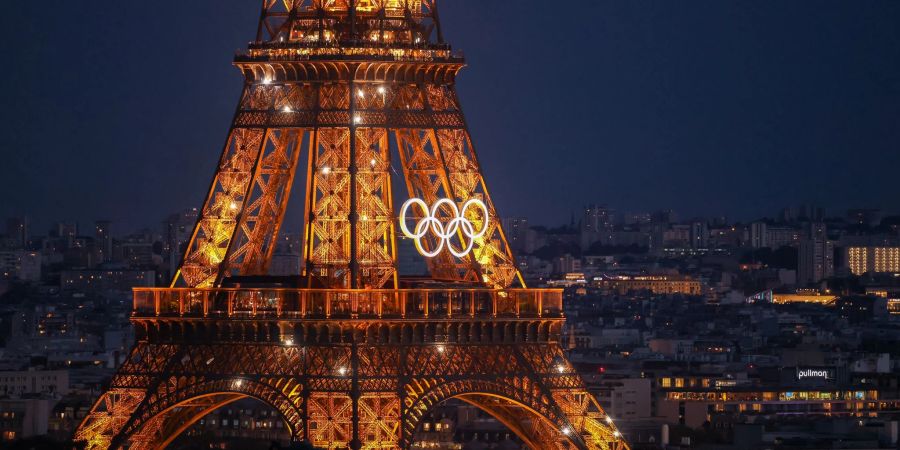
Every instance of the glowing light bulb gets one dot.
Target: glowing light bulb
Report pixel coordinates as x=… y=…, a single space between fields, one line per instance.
x=342 y=371
x=608 y=419
x=381 y=89
x=266 y=80
x=560 y=368
x=441 y=349
x=289 y=342
x=326 y=170
x=233 y=205
x=616 y=433
x=360 y=93
x=566 y=431
x=357 y=119
x=287 y=109
x=373 y=161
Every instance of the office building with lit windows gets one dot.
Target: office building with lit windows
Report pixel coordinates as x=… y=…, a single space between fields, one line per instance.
x=694 y=400
x=696 y=406
x=862 y=260
x=23 y=418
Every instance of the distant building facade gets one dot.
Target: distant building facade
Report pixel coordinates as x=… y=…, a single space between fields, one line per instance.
x=862 y=260
x=17 y=231
x=23 y=418
x=106 y=280
x=18 y=383
x=759 y=235
x=777 y=237
x=516 y=229
x=20 y=265
x=656 y=284
x=104 y=240
x=816 y=256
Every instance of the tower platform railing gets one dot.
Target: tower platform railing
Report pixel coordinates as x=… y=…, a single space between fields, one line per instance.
x=359 y=304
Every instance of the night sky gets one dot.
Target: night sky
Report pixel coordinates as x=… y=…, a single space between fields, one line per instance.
x=119 y=109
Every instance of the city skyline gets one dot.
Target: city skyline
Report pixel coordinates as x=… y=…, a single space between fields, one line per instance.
x=618 y=217
x=774 y=111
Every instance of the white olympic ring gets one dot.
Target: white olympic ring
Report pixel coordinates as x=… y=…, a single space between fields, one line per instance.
x=458 y=224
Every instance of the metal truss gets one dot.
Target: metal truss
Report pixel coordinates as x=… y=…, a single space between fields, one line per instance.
x=350 y=233
x=351 y=360
x=354 y=389
x=389 y=21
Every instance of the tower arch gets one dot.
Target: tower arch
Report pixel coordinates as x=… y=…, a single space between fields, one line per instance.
x=158 y=423
x=527 y=415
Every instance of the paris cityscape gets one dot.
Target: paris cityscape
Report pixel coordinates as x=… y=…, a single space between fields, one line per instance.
x=781 y=331
x=701 y=254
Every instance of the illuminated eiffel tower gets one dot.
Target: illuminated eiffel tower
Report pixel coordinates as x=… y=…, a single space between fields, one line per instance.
x=350 y=354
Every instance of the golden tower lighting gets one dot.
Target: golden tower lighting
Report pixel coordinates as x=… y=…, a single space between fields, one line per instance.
x=351 y=355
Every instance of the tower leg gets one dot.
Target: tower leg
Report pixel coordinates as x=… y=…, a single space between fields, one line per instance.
x=217 y=220
x=530 y=388
x=440 y=162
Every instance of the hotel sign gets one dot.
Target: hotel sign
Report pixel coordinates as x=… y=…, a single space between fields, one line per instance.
x=814 y=373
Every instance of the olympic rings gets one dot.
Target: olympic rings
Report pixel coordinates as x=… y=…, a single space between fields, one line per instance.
x=458 y=223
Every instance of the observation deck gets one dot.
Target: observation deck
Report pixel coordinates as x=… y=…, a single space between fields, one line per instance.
x=342 y=316
x=348 y=304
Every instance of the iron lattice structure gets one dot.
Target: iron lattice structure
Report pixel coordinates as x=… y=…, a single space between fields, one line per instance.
x=351 y=359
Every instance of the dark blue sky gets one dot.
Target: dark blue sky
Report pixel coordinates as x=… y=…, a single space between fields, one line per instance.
x=119 y=109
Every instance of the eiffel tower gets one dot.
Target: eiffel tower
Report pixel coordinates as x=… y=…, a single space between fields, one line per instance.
x=352 y=355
